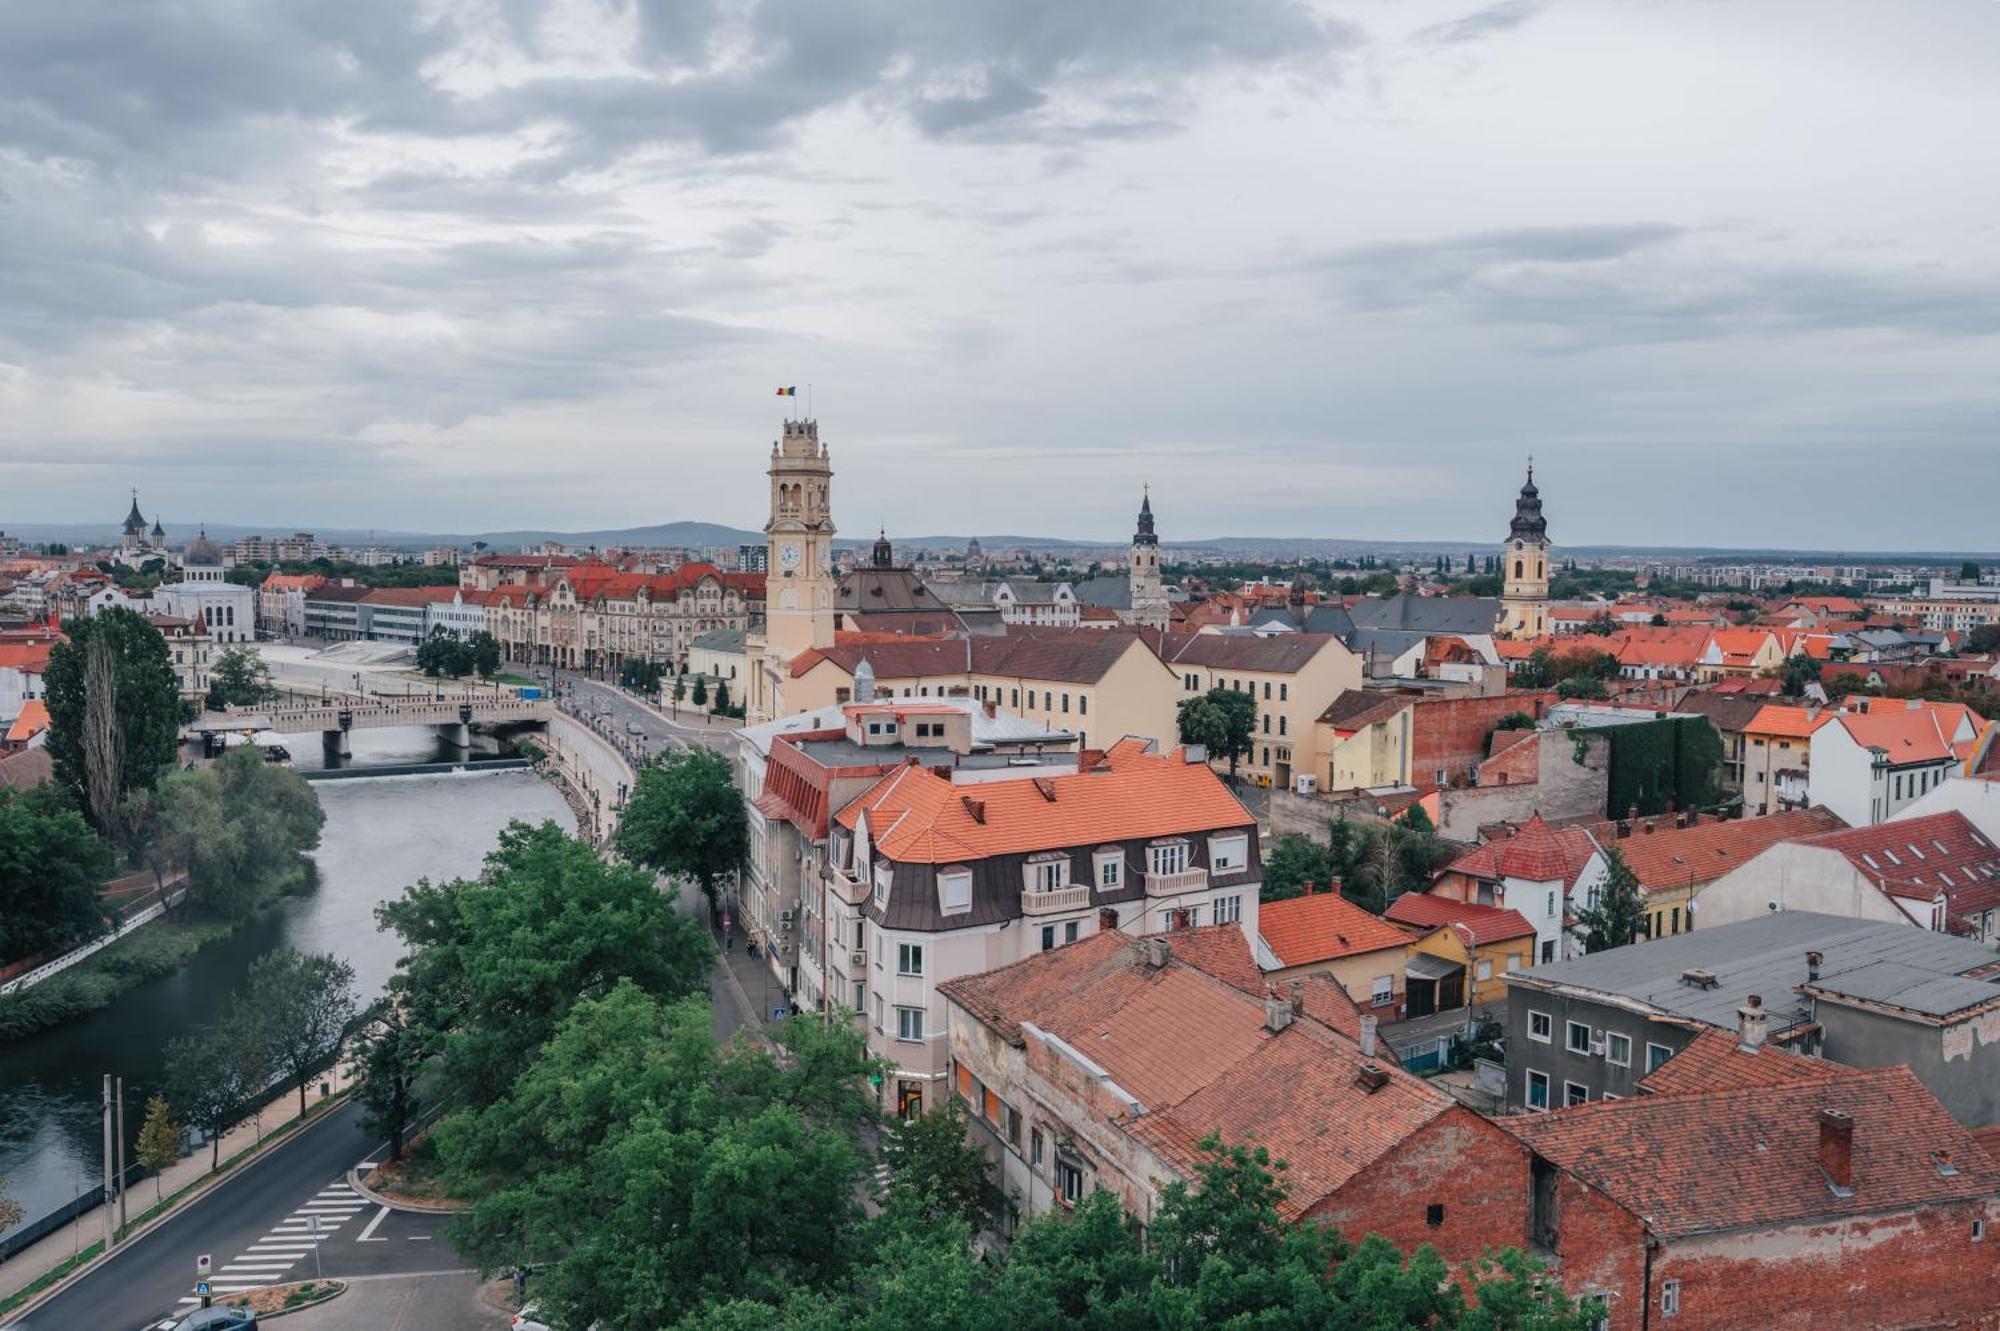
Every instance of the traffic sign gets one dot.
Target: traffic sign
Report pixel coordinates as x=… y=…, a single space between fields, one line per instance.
x=201 y=1288
x=201 y=1265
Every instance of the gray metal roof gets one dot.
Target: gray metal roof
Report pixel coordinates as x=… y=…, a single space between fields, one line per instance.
x=1427 y=614
x=1764 y=956
x=1910 y=987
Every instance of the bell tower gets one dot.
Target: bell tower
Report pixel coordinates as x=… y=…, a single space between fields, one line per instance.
x=1524 y=567
x=1149 y=597
x=799 y=586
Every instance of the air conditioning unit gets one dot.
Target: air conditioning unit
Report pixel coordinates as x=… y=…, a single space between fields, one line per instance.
x=857 y=958
x=1597 y=1047
x=784 y=917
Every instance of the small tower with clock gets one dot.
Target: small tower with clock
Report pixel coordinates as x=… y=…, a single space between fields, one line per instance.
x=799 y=584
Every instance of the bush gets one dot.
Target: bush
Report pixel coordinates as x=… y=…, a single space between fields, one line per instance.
x=154 y=951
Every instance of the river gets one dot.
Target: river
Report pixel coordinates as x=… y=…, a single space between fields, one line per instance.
x=381 y=835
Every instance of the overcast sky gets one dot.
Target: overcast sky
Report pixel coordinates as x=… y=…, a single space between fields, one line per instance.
x=1730 y=270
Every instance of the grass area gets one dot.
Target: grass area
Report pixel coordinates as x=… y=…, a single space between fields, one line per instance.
x=417 y=1177
x=148 y=953
x=50 y=1277
x=285 y=1298
x=508 y=677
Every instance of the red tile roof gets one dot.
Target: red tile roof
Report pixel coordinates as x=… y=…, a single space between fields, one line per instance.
x=30 y=721
x=1909 y=734
x=1787 y=722
x=1700 y=1162
x=1677 y=856
x=1537 y=853
x=1918 y=858
x=30 y=658
x=1322 y=927
x=1715 y=1061
x=917 y=816
x=1486 y=924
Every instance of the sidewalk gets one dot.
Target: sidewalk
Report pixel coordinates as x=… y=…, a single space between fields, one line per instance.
x=52 y=1250
x=751 y=984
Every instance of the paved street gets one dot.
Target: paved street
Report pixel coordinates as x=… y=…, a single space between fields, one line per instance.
x=438 y=1301
x=258 y=1227
x=655 y=731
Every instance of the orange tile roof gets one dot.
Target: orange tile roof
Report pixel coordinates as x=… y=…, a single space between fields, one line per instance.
x=1537 y=853
x=30 y=721
x=293 y=582
x=1909 y=734
x=1921 y=858
x=30 y=658
x=1193 y=1048
x=1696 y=1163
x=917 y=816
x=1786 y=722
x=1671 y=856
x=1324 y=926
x=1715 y=1061
x=1486 y=924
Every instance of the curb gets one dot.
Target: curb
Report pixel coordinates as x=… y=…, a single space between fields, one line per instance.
x=199 y=1191
x=411 y=1208
x=329 y=1297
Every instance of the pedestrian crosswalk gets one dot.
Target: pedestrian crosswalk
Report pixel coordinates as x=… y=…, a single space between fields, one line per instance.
x=270 y=1258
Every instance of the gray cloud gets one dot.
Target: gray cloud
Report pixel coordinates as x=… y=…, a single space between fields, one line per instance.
x=1481 y=24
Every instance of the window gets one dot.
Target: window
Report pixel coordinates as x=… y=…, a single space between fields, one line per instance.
x=1083 y=704
x=1035 y=1147
x=955 y=891
x=1382 y=991
x=909 y=959
x=1049 y=875
x=1284 y=691
x=1576 y=1038
x=1485 y=971
x=1170 y=857
x=1070 y=931
x=1541 y=1027
x=1226 y=854
x=1538 y=1089
x=1574 y=1093
x=1551 y=911
x=1229 y=910
x=1670 y=1298
x=1434 y=1215
x=860 y=996
x=1013 y=1117
x=1048 y=937
x=910 y=1024
x=1618 y=1049
x=1267 y=723
x=1978 y=1231
x=1110 y=867
x=1069 y=1182
x=1548 y=950
x=1656 y=1054
x=1065 y=702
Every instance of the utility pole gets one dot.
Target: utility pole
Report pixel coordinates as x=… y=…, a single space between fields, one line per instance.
x=123 y=1219
x=105 y=1113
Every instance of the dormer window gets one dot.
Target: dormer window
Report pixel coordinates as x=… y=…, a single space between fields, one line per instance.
x=1047 y=872
x=1165 y=857
x=883 y=875
x=954 y=889
x=1229 y=852
x=1109 y=865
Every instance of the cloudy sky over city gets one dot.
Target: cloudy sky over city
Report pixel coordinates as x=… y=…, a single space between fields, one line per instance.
x=1730 y=271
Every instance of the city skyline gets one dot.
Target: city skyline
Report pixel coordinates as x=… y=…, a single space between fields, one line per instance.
x=1313 y=271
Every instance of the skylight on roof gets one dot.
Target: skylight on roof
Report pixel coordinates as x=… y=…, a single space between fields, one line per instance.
x=1869 y=860
x=1890 y=855
x=1914 y=851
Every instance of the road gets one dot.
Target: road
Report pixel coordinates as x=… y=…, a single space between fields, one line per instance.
x=654 y=732
x=258 y=1228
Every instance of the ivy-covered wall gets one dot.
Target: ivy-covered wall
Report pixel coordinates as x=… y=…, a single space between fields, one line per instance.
x=1672 y=762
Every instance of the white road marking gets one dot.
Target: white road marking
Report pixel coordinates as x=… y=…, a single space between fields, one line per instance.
x=368 y=1235
x=419 y=1238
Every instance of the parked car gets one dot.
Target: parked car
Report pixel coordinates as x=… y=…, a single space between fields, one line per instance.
x=218 y=1319
x=635 y=727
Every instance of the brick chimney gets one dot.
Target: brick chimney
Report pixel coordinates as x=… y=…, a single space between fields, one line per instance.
x=1371 y=1078
x=1812 y=967
x=1368 y=1037
x=1107 y=918
x=1752 y=1024
x=1836 y=1148
x=1297 y=990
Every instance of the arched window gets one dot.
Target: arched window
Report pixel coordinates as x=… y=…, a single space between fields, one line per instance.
x=1517 y=568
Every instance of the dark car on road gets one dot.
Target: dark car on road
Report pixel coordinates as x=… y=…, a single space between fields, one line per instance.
x=218 y=1319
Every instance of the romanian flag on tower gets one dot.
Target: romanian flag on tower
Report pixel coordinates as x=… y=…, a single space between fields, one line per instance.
x=793 y=391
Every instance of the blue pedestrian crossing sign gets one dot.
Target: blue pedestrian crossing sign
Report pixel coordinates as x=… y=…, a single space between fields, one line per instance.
x=201 y=1288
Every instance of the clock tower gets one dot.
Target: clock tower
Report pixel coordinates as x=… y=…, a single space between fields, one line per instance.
x=799 y=584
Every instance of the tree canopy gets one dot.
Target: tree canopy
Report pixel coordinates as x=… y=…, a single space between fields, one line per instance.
x=1618 y=914
x=1224 y=720
x=1291 y=863
x=114 y=710
x=685 y=819
x=239 y=678
x=242 y=827
x=51 y=867
x=300 y=1004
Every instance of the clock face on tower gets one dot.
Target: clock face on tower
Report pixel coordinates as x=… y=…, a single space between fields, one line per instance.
x=789 y=556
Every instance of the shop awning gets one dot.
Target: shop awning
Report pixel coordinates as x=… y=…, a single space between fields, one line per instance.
x=1423 y=966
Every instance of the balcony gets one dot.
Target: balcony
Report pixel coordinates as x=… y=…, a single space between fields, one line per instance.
x=848 y=890
x=1174 y=884
x=1057 y=902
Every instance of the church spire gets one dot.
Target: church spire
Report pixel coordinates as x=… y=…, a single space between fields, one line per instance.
x=1145 y=536
x=1529 y=524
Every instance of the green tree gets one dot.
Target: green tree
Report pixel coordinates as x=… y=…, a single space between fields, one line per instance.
x=114 y=711
x=700 y=695
x=159 y=1140
x=388 y=1058
x=1983 y=640
x=1582 y=686
x=51 y=868
x=648 y=1172
x=242 y=827
x=1798 y=671
x=492 y=964
x=1617 y=916
x=721 y=696
x=444 y=654
x=484 y=650
x=685 y=818
x=1968 y=572
x=239 y=678
x=301 y=1004
x=1224 y=720
x=212 y=1073
x=936 y=1171
x=680 y=685
x=1515 y=721
x=1292 y=863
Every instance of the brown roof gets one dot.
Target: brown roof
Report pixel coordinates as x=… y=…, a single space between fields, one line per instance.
x=1921 y=858
x=26 y=769
x=1537 y=853
x=1486 y=924
x=409 y=595
x=1699 y=1162
x=1324 y=926
x=1277 y=654
x=1076 y=656
x=1715 y=1061
x=1676 y=856
x=1356 y=708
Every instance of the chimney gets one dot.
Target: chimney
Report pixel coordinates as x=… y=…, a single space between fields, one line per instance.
x=1371 y=1078
x=1277 y=1014
x=1368 y=1037
x=1680 y=821
x=1649 y=826
x=1107 y=918
x=1694 y=817
x=1158 y=950
x=1298 y=996
x=1812 y=967
x=1836 y=1148
x=1752 y=1023
x=992 y=708
x=1632 y=813
x=1624 y=829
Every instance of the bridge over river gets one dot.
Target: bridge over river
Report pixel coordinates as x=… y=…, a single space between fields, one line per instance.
x=454 y=715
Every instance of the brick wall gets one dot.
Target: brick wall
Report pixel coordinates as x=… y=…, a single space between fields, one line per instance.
x=1564 y=790
x=1459 y=1161
x=1451 y=733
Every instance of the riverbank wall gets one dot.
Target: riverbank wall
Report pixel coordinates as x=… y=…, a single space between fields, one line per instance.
x=415 y=769
x=593 y=775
